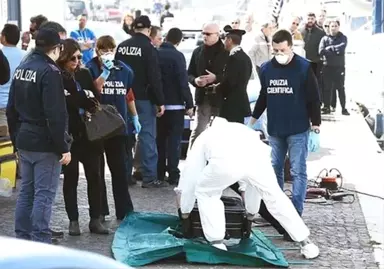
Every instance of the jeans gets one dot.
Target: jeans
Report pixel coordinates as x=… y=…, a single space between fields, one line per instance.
x=40 y=173
x=115 y=151
x=297 y=148
x=170 y=129
x=147 y=140
x=91 y=163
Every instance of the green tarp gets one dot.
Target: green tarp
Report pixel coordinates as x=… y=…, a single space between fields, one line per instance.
x=145 y=238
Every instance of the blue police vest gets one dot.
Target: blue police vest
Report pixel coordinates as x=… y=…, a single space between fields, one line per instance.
x=286 y=96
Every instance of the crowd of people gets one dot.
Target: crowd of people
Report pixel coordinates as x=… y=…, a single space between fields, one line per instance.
x=55 y=87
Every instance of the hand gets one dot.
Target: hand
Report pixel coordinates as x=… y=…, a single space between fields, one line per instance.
x=313 y=142
x=160 y=111
x=210 y=78
x=200 y=82
x=66 y=159
x=190 y=112
x=251 y=122
x=108 y=64
x=136 y=123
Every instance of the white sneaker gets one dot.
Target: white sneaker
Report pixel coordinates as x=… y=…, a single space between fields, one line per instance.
x=220 y=246
x=310 y=251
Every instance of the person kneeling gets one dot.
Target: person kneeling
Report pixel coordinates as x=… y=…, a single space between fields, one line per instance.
x=215 y=164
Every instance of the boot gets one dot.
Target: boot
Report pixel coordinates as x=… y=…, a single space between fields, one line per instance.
x=74 y=228
x=96 y=227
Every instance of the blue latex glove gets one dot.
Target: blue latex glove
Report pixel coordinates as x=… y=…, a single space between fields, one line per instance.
x=136 y=124
x=108 y=64
x=105 y=74
x=313 y=142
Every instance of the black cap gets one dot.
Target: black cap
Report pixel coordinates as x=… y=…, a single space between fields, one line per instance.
x=141 y=22
x=47 y=38
x=230 y=31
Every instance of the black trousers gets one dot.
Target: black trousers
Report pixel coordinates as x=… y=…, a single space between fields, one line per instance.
x=91 y=163
x=263 y=212
x=317 y=69
x=333 y=80
x=116 y=152
x=170 y=129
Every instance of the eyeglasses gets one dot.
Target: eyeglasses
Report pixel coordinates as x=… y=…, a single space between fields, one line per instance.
x=326 y=26
x=78 y=57
x=235 y=22
x=295 y=23
x=208 y=34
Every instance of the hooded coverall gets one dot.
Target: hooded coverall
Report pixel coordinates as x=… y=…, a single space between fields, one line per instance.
x=222 y=155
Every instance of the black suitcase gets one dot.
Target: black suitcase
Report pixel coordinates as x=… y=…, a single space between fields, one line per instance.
x=237 y=224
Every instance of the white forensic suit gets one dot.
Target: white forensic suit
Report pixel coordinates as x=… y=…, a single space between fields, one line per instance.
x=222 y=155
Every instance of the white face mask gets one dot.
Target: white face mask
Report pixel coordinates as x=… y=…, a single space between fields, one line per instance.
x=107 y=57
x=282 y=58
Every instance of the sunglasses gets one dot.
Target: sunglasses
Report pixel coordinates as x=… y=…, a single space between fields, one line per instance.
x=208 y=34
x=295 y=23
x=78 y=57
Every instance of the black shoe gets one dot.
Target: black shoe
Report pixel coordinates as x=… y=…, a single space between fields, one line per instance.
x=173 y=181
x=74 y=228
x=154 y=184
x=96 y=227
x=326 y=111
x=56 y=234
x=137 y=176
x=132 y=181
x=345 y=112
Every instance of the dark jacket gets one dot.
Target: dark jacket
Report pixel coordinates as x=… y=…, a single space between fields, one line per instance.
x=174 y=76
x=4 y=69
x=237 y=73
x=116 y=87
x=167 y=14
x=128 y=29
x=138 y=53
x=77 y=103
x=290 y=93
x=36 y=112
x=214 y=59
x=312 y=37
x=332 y=49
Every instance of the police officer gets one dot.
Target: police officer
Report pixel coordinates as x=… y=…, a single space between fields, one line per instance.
x=38 y=122
x=142 y=57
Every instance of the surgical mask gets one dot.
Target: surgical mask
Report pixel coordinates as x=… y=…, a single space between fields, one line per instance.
x=282 y=58
x=107 y=57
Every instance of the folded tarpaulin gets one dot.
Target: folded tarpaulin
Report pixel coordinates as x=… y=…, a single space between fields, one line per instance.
x=145 y=238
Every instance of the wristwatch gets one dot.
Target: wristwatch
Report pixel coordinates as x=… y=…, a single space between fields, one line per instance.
x=316 y=131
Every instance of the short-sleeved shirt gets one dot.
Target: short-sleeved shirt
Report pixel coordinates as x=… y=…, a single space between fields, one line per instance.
x=83 y=36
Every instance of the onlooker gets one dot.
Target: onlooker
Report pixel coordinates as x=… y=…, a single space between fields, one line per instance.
x=113 y=79
x=261 y=49
x=298 y=43
x=167 y=14
x=321 y=19
x=178 y=99
x=332 y=49
x=57 y=27
x=36 y=22
x=81 y=99
x=312 y=36
x=235 y=24
x=86 y=38
x=38 y=121
x=139 y=53
x=156 y=36
x=127 y=24
x=4 y=69
x=290 y=93
x=10 y=37
x=207 y=64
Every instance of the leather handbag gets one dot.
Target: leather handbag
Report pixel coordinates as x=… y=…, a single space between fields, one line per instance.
x=105 y=122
